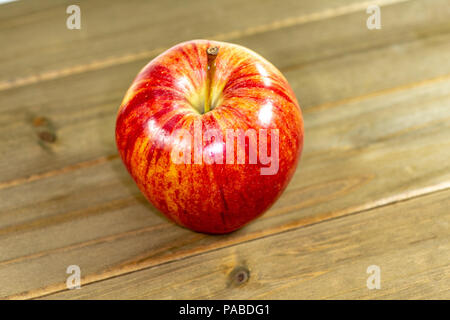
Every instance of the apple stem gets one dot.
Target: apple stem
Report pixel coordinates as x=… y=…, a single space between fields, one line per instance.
x=212 y=54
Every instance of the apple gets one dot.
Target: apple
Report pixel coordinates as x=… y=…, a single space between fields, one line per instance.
x=212 y=133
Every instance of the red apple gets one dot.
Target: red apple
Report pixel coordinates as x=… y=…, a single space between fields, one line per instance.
x=212 y=133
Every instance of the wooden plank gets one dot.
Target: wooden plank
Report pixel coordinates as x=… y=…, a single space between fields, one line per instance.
x=358 y=155
x=118 y=233
x=40 y=46
x=81 y=108
x=408 y=241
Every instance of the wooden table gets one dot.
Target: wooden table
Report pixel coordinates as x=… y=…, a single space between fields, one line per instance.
x=372 y=187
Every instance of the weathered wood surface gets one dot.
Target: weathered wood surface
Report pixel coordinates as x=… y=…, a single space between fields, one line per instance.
x=327 y=260
x=40 y=47
x=377 y=119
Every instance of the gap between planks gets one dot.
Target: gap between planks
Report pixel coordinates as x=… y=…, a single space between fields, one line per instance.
x=131 y=57
x=307 y=222
x=52 y=289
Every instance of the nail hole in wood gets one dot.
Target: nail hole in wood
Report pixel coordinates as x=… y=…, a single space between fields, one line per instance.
x=47 y=136
x=240 y=275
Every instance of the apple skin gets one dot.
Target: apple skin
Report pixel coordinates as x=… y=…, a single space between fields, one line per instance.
x=167 y=95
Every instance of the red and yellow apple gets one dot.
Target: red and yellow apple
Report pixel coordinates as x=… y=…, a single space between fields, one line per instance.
x=212 y=133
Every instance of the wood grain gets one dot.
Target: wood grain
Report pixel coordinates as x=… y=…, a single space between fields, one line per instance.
x=81 y=109
x=392 y=147
x=409 y=241
x=40 y=47
x=377 y=119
